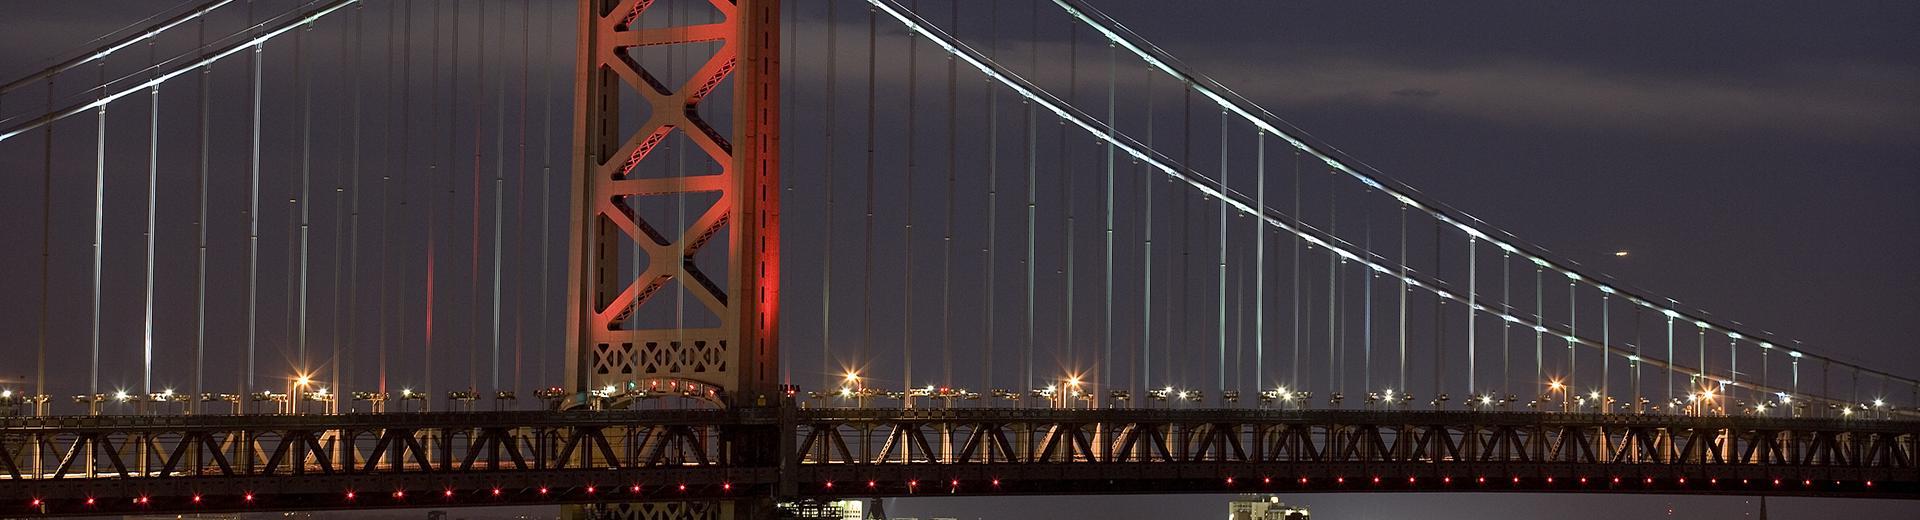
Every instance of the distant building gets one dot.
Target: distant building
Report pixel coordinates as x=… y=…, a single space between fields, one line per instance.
x=1264 y=507
x=822 y=510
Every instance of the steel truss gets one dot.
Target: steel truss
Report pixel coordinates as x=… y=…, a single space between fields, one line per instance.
x=215 y=463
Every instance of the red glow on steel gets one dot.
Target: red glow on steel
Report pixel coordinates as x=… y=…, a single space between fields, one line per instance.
x=496 y=492
x=869 y=484
x=400 y=494
x=543 y=491
x=996 y=483
x=726 y=486
x=447 y=493
x=589 y=490
x=89 y=500
x=349 y=495
x=636 y=488
x=683 y=488
x=829 y=484
x=196 y=499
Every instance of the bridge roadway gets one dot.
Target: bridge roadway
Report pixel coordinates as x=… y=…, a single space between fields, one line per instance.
x=131 y=465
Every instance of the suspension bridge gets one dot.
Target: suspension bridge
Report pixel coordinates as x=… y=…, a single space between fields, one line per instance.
x=1125 y=278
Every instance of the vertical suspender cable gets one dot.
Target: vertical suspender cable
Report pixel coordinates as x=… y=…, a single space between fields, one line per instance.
x=433 y=168
x=1220 y=283
x=1539 y=317
x=1336 y=379
x=499 y=193
x=1671 y=363
x=305 y=79
x=1033 y=185
x=993 y=187
x=343 y=384
x=1185 y=233
x=1473 y=287
x=1260 y=265
x=906 y=315
x=1573 y=324
x=1106 y=335
x=546 y=183
x=1366 y=321
x=946 y=242
x=1146 y=255
x=826 y=266
x=866 y=280
x=520 y=195
x=1066 y=198
x=200 y=225
x=153 y=202
x=1297 y=341
x=253 y=226
x=99 y=215
x=46 y=264
x=1506 y=326
x=1606 y=347
x=1401 y=381
x=473 y=234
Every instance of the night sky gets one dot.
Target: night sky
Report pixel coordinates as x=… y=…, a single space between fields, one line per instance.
x=1757 y=161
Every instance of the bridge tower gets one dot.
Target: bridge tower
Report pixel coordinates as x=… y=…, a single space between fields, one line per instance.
x=736 y=362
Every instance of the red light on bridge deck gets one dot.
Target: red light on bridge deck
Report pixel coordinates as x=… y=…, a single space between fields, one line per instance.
x=36 y=502
x=1446 y=480
x=1483 y=480
x=1409 y=480
x=1649 y=480
x=726 y=486
x=683 y=488
x=249 y=497
x=829 y=484
x=1549 y=480
x=1303 y=481
x=1869 y=483
x=1229 y=481
x=870 y=485
x=349 y=495
x=196 y=499
x=955 y=483
x=543 y=491
x=89 y=500
x=1516 y=480
x=400 y=494
x=1616 y=480
x=636 y=488
x=1776 y=482
x=1806 y=482
x=996 y=483
x=1583 y=480
x=1266 y=480
x=447 y=493
x=1683 y=480
x=913 y=483
x=496 y=492
x=589 y=490
x=1714 y=481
